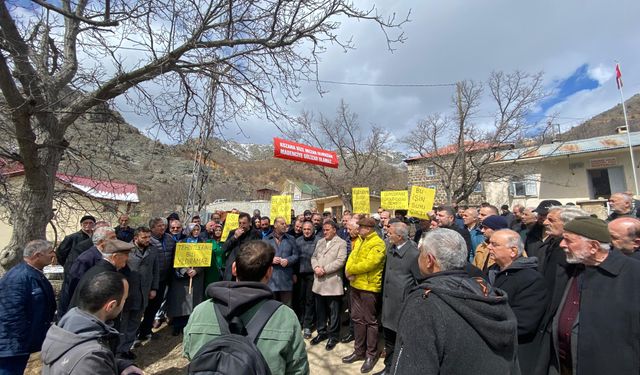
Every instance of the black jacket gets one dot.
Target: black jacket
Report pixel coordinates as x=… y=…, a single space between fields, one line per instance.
x=306 y=247
x=124 y=234
x=608 y=335
x=527 y=296
x=231 y=247
x=452 y=324
x=63 y=250
x=75 y=252
x=526 y=293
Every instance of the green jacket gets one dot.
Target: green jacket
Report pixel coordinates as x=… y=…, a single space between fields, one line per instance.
x=280 y=341
x=366 y=263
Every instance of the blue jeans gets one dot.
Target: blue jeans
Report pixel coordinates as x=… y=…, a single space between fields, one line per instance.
x=13 y=365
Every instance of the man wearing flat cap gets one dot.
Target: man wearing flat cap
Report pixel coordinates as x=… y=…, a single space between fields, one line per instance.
x=115 y=254
x=595 y=329
x=364 y=270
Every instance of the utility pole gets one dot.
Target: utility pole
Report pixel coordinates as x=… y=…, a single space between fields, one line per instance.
x=196 y=197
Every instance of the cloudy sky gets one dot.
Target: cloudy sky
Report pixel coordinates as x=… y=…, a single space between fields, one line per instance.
x=574 y=42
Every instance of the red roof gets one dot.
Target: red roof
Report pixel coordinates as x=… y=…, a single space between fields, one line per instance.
x=103 y=189
x=453 y=148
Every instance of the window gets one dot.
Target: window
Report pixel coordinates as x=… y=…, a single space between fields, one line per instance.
x=524 y=187
x=431 y=171
x=478 y=188
x=431 y=187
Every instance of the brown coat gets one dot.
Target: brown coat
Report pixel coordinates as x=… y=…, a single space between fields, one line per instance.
x=332 y=258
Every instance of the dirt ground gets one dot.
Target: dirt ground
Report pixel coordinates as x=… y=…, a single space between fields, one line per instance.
x=162 y=355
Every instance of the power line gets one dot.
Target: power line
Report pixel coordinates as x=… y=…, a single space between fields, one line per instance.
x=384 y=84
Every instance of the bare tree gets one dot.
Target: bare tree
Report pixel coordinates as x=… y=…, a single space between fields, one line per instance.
x=462 y=151
x=59 y=59
x=359 y=153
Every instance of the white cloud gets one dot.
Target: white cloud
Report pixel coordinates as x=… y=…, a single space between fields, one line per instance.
x=601 y=73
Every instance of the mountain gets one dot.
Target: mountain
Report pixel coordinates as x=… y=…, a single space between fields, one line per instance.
x=104 y=146
x=607 y=122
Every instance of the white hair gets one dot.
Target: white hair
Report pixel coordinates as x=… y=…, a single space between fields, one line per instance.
x=568 y=213
x=447 y=246
x=401 y=230
x=513 y=240
x=36 y=246
x=100 y=234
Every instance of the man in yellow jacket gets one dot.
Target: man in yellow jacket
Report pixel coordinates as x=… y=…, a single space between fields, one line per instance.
x=364 y=269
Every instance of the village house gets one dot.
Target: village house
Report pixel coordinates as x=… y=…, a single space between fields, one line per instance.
x=585 y=172
x=75 y=197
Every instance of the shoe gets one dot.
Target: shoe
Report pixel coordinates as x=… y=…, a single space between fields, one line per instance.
x=318 y=339
x=306 y=333
x=331 y=344
x=347 y=339
x=353 y=357
x=146 y=337
x=383 y=372
x=368 y=364
x=157 y=323
x=383 y=354
x=136 y=343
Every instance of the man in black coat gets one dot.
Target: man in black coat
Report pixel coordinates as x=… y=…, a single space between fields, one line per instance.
x=237 y=237
x=621 y=206
x=81 y=264
x=87 y=223
x=602 y=292
x=115 y=257
x=526 y=290
x=452 y=323
x=446 y=218
x=164 y=245
x=536 y=233
x=399 y=279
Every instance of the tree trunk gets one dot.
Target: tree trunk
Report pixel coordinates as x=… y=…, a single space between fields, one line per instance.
x=33 y=210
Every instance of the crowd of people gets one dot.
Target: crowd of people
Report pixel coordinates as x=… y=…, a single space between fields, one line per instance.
x=467 y=290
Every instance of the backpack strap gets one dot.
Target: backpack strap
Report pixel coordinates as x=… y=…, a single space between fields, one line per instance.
x=260 y=319
x=254 y=326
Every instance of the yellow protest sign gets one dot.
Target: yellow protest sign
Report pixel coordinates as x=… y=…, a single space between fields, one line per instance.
x=421 y=201
x=394 y=199
x=360 y=200
x=281 y=207
x=192 y=255
x=230 y=223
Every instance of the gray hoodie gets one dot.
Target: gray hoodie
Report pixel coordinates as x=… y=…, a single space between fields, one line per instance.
x=81 y=344
x=454 y=324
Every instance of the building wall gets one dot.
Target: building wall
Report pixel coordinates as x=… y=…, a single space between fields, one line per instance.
x=67 y=214
x=565 y=179
x=264 y=206
x=417 y=175
x=374 y=203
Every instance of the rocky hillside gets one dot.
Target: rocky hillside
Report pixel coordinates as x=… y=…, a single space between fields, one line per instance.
x=606 y=122
x=107 y=147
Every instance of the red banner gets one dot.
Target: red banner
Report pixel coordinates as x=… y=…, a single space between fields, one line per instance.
x=289 y=150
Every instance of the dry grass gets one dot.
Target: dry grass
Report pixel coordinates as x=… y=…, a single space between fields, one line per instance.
x=163 y=356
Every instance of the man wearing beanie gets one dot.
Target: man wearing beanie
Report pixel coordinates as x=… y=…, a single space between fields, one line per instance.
x=489 y=225
x=595 y=329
